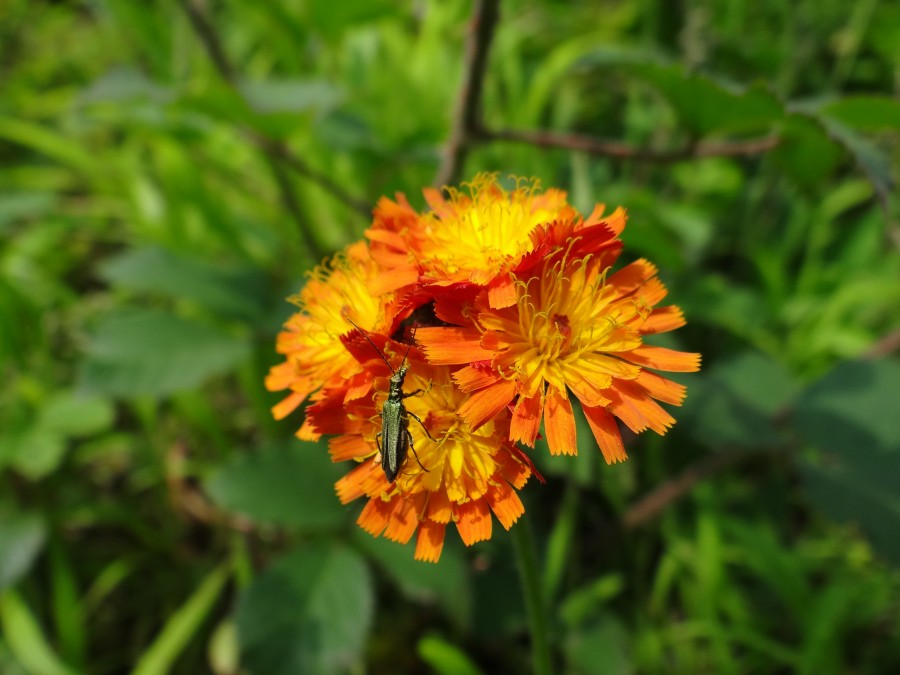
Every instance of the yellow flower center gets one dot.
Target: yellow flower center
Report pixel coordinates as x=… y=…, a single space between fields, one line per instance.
x=566 y=320
x=455 y=459
x=333 y=293
x=475 y=235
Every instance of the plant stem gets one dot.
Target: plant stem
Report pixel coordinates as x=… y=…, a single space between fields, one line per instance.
x=523 y=543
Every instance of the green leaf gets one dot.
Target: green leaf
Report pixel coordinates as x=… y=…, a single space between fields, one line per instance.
x=866 y=113
x=844 y=495
x=181 y=628
x=26 y=639
x=735 y=402
x=806 y=151
x=18 y=317
x=309 y=613
x=282 y=485
x=150 y=352
x=706 y=106
x=589 y=600
x=294 y=95
x=145 y=29
x=22 y=538
x=8 y=663
x=445 y=658
x=852 y=408
x=68 y=610
x=122 y=85
x=353 y=13
x=722 y=303
x=850 y=414
x=229 y=290
x=447 y=583
x=18 y=205
x=75 y=415
x=601 y=648
x=873 y=162
x=50 y=142
x=36 y=452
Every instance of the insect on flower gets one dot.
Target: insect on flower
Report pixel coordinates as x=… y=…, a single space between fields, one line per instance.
x=519 y=315
x=394 y=440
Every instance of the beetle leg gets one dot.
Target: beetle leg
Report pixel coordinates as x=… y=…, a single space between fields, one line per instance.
x=417 y=392
x=413 y=447
x=421 y=424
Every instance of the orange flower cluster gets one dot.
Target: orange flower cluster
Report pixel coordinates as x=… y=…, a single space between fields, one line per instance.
x=500 y=303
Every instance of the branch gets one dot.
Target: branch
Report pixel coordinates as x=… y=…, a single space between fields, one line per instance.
x=656 y=501
x=276 y=150
x=608 y=148
x=467 y=119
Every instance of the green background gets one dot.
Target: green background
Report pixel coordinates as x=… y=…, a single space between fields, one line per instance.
x=168 y=172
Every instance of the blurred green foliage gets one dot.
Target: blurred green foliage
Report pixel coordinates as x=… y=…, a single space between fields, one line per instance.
x=154 y=519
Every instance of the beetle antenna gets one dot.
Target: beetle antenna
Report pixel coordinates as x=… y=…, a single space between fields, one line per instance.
x=380 y=353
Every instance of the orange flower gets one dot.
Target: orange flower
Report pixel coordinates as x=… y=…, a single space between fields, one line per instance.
x=480 y=238
x=514 y=307
x=570 y=329
x=458 y=475
x=314 y=356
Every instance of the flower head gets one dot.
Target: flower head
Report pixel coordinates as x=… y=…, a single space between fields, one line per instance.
x=573 y=328
x=314 y=355
x=454 y=474
x=475 y=322
x=482 y=237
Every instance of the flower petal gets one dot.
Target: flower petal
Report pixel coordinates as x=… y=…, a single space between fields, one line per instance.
x=364 y=479
x=475 y=376
x=633 y=405
x=307 y=432
x=588 y=389
x=452 y=345
x=661 y=388
x=404 y=520
x=526 y=419
x=559 y=423
x=342 y=448
x=502 y=291
x=515 y=467
x=505 y=504
x=662 y=320
x=485 y=403
x=430 y=541
x=439 y=509
x=631 y=277
x=281 y=376
x=606 y=431
x=375 y=516
x=660 y=358
x=394 y=279
x=473 y=521
x=288 y=405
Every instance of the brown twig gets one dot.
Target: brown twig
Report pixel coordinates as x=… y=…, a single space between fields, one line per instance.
x=655 y=502
x=276 y=150
x=467 y=120
x=609 y=148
